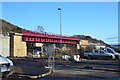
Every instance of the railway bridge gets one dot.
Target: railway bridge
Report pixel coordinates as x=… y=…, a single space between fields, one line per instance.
x=33 y=43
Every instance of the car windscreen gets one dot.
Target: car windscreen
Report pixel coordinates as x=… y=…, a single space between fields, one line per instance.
x=110 y=51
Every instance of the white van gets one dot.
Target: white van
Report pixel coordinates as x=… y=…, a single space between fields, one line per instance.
x=6 y=66
x=110 y=50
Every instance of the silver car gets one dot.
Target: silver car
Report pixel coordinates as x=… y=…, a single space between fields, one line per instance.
x=6 y=66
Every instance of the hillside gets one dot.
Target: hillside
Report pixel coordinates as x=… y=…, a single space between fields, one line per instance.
x=8 y=27
x=90 y=39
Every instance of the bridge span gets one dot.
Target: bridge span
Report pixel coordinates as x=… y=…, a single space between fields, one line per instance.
x=48 y=38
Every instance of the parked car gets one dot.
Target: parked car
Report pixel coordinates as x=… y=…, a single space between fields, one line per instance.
x=6 y=66
x=99 y=54
x=110 y=50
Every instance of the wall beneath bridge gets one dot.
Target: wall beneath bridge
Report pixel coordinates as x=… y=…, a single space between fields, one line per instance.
x=4 y=45
x=18 y=47
x=23 y=48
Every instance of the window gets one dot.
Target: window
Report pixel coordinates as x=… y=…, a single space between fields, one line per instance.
x=109 y=51
x=102 y=52
x=96 y=51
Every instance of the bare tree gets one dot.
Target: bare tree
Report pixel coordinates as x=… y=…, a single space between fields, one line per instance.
x=40 y=29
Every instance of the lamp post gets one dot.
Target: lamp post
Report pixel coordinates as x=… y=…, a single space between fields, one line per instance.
x=59 y=9
x=60 y=22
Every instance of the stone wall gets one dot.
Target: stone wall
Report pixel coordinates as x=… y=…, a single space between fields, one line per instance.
x=4 y=46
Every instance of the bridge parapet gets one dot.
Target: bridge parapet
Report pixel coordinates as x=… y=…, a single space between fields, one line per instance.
x=48 y=38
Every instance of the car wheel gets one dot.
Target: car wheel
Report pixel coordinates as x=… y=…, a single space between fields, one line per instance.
x=109 y=58
x=89 y=57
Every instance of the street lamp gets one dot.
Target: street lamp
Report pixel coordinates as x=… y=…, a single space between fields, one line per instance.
x=59 y=9
x=60 y=22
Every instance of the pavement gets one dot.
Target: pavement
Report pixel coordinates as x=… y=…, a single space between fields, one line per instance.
x=80 y=75
x=102 y=70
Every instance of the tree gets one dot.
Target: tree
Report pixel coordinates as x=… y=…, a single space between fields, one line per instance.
x=117 y=49
x=40 y=29
x=16 y=29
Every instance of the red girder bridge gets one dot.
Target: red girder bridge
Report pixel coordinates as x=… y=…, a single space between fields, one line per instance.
x=29 y=36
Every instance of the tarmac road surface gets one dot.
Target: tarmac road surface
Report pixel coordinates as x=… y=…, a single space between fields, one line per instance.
x=69 y=70
x=101 y=70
